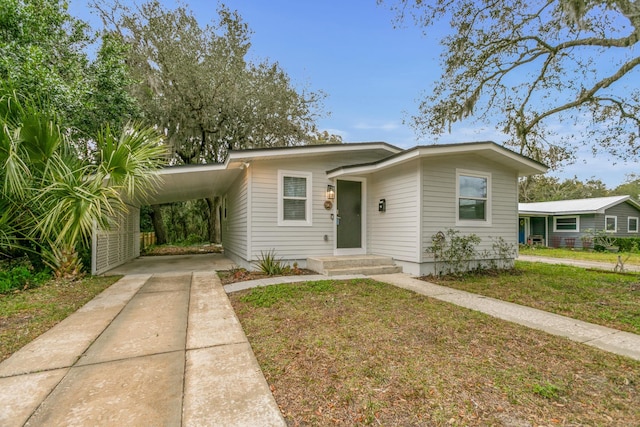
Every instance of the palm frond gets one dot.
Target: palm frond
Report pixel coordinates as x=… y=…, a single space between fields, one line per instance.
x=131 y=160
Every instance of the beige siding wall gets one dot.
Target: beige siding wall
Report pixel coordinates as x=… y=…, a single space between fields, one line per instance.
x=234 y=221
x=292 y=243
x=439 y=200
x=395 y=232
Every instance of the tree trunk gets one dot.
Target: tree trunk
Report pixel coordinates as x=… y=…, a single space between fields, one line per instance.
x=158 y=225
x=214 y=219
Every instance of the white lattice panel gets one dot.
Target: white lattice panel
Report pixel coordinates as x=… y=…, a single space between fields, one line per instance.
x=117 y=245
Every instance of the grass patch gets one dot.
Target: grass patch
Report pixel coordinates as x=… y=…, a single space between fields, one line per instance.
x=366 y=353
x=578 y=254
x=26 y=315
x=604 y=298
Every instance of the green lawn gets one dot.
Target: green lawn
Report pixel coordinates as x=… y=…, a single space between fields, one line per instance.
x=25 y=315
x=604 y=298
x=362 y=352
x=608 y=257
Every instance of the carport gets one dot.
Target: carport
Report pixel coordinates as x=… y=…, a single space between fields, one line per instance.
x=121 y=243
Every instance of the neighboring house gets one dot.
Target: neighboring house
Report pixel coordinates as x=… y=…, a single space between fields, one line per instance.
x=357 y=199
x=563 y=223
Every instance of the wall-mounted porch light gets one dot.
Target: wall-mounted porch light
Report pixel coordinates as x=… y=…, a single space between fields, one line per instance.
x=331 y=192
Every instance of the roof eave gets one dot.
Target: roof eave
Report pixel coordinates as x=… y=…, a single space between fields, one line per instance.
x=243 y=156
x=522 y=164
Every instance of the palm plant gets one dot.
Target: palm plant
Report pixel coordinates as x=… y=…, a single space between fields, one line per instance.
x=51 y=199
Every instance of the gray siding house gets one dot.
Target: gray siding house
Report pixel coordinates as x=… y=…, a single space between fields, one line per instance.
x=563 y=223
x=370 y=199
x=348 y=199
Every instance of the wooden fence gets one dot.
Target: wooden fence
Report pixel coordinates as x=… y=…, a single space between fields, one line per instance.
x=147 y=239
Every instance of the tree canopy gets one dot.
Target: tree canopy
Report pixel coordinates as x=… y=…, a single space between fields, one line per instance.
x=44 y=53
x=196 y=82
x=545 y=188
x=535 y=65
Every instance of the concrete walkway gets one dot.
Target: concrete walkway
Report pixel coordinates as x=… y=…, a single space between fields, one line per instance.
x=162 y=349
x=611 y=340
x=608 y=339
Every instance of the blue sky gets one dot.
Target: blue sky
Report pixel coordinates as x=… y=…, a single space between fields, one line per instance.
x=374 y=75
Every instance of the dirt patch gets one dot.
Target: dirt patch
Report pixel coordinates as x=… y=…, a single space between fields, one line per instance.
x=182 y=250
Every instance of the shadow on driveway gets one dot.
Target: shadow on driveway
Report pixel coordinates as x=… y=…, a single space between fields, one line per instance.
x=173 y=264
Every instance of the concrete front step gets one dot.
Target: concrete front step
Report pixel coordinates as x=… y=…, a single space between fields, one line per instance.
x=353 y=264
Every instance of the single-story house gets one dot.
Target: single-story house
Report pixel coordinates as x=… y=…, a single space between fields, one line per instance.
x=350 y=199
x=565 y=223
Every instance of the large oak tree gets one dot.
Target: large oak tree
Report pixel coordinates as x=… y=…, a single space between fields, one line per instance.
x=537 y=66
x=196 y=83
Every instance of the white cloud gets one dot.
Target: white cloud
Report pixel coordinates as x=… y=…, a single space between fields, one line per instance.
x=343 y=133
x=386 y=127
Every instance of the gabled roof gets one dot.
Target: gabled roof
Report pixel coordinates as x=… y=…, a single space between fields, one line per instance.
x=575 y=207
x=488 y=149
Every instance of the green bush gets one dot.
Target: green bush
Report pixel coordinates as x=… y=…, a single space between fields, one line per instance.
x=269 y=264
x=17 y=276
x=628 y=244
x=191 y=240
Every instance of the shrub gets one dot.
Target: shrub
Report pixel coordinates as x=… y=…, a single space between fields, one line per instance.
x=270 y=264
x=20 y=275
x=628 y=244
x=453 y=252
x=456 y=254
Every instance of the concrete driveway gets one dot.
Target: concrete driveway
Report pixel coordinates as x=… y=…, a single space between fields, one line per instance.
x=173 y=264
x=161 y=346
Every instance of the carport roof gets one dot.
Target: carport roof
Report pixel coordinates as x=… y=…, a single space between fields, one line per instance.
x=188 y=182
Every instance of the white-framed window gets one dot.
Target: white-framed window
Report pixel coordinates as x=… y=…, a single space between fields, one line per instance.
x=632 y=224
x=566 y=223
x=473 y=198
x=610 y=224
x=294 y=198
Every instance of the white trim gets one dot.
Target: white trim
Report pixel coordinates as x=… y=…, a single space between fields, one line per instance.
x=420 y=198
x=486 y=222
x=303 y=151
x=249 y=242
x=362 y=250
x=555 y=226
x=308 y=221
x=524 y=165
x=615 y=223
x=629 y=230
